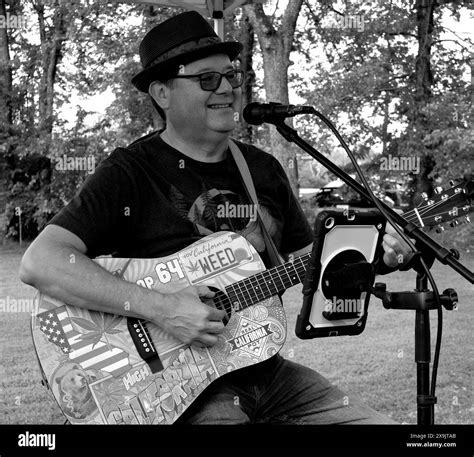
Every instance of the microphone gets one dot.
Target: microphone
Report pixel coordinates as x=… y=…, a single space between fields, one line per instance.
x=258 y=113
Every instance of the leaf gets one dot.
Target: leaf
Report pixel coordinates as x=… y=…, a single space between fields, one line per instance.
x=85 y=324
x=179 y=202
x=98 y=318
x=112 y=393
x=111 y=321
x=97 y=340
x=113 y=331
x=90 y=336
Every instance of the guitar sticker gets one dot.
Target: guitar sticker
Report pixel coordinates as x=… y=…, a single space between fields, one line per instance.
x=90 y=348
x=159 y=399
x=250 y=337
x=214 y=257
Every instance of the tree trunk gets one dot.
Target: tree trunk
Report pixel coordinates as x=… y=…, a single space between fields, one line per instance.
x=51 y=47
x=423 y=74
x=276 y=45
x=6 y=115
x=5 y=78
x=152 y=15
x=386 y=121
x=246 y=37
x=422 y=95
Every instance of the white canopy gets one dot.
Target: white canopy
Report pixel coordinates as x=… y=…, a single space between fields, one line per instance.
x=215 y=9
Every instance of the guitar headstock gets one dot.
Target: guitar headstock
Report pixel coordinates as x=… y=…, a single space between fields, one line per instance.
x=446 y=205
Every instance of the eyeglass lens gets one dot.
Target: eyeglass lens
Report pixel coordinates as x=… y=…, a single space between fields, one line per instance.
x=212 y=80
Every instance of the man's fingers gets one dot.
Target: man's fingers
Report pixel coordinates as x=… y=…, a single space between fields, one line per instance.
x=215 y=327
x=390 y=256
x=395 y=242
x=205 y=292
x=393 y=253
x=388 y=249
x=390 y=241
x=206 y=340
x=216 y=314
x=391 y=231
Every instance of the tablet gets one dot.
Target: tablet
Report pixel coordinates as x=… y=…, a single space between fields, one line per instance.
x=347 y=245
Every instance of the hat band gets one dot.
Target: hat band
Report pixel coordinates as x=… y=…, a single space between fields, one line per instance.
x=184 y=48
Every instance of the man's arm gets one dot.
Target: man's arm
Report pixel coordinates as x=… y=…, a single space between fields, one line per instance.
x=56 y=264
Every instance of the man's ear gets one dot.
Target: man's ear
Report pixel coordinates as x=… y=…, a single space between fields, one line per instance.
x=160 y=92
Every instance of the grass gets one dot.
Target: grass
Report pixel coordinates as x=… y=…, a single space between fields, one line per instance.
x=377 y=366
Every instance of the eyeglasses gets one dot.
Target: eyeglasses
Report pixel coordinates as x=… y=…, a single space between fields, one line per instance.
x=211 y=80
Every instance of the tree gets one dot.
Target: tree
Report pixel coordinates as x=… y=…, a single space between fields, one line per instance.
x=275 y=36
x=386 y=89
x=243 y=31
x=5 y=77
x=52 y=38
x=40 y=85
x=5 y=105
x=393 y=87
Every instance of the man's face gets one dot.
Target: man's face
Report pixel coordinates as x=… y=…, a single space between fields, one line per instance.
x=197 y=113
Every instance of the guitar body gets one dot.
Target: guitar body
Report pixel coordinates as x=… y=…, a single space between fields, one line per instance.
x=94 y=367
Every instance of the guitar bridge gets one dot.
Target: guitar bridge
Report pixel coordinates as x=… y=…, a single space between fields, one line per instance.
x=143 y=343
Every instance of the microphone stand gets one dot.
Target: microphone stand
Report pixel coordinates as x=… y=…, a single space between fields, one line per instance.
x=421 y=299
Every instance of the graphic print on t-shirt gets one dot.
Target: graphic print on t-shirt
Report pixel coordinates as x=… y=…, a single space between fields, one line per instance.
x=215 y=210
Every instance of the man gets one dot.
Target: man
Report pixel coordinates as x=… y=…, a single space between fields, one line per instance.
x=161 y=194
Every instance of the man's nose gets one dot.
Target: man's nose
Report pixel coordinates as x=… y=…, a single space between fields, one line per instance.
x=224 y=86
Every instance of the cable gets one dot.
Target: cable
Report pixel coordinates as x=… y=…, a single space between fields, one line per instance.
x=427 y=271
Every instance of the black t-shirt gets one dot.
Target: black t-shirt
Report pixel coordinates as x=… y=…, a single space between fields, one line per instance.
x=149 y=200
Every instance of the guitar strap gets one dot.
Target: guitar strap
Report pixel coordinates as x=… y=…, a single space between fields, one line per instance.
x=272 y=251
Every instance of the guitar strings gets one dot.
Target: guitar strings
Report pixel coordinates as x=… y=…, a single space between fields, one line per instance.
x=246 y=299
x=243 y=290
x=423 y=211
x=429 y=208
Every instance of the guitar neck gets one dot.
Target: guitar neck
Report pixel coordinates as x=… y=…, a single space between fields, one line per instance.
x=266 y=284
x=444 y=206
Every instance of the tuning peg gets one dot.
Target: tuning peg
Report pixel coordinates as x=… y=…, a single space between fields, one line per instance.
x=467 y=219
x=454 y=223
x=438 y=189
x=439 y=229
x=424 y=196
x=438 y=218
x=451 y=183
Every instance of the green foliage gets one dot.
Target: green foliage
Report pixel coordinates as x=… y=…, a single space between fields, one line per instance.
x=364 y=80
x=361 y=76
x=29 y=178
x=98 y=50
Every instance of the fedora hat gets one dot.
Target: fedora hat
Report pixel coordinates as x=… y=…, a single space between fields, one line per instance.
x=177 y=41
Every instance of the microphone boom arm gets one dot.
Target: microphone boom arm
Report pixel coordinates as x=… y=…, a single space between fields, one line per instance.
x=445 y=256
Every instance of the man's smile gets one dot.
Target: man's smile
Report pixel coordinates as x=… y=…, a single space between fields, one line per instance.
x=219 y=105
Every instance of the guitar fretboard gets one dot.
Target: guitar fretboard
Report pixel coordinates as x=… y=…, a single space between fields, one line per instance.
x=266 y=284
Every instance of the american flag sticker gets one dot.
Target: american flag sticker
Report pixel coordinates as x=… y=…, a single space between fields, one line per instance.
x=86 y=349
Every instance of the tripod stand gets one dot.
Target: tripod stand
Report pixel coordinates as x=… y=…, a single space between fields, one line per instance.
x=421 y=300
